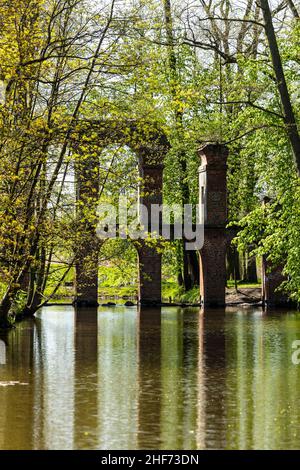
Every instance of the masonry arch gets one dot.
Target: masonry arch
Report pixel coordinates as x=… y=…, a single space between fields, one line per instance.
x=150 y=144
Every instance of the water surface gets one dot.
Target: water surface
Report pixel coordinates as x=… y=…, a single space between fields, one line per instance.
x=156 y=379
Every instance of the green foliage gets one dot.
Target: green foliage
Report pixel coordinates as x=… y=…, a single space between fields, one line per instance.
x=274 y=231
x=119 y=268
x=174 y=293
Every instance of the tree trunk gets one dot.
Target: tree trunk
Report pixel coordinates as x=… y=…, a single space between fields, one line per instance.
x=251 y=269
x=190 y=270
x=233 y=264
x=293 y=8
x=289 y=116
x=4 y=311
x=194 y=268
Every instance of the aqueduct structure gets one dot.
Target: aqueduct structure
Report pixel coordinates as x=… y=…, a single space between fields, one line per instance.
x=151 y=146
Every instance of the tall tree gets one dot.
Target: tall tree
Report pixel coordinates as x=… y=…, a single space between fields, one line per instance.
x=190 y=260
x=289 y=115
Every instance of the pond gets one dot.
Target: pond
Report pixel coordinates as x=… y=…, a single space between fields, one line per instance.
x=167 y=378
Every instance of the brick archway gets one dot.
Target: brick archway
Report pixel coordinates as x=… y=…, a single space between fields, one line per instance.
x=151 y=145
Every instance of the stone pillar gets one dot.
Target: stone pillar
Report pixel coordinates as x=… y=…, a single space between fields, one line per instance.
x=213 y=213
x=272 y=278
x=213 y=268
x=151 y=186
x=150 y=259
x=87 y=245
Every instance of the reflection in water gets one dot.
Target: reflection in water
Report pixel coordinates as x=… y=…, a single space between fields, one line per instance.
x=17 y=401
x=165 y=378
x=149 y=377
x=214 y=358
x=54 y=374
x=262 y=383
x=86 y=377
x=118 y=379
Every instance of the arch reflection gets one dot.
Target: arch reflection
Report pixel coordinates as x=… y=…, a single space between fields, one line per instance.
x=168 y=378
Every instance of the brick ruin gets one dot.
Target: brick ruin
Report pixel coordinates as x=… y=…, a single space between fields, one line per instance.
x=151 y=150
